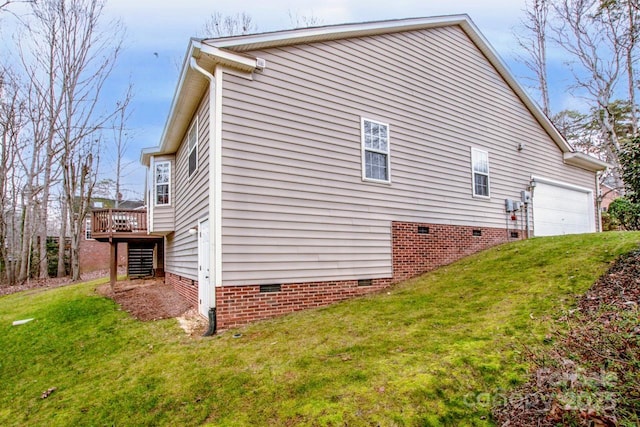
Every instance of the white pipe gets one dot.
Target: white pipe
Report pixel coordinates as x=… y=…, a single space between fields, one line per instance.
x=212 y=242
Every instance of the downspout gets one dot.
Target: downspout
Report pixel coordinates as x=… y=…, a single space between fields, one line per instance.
x=598 y=202
x=194 y=65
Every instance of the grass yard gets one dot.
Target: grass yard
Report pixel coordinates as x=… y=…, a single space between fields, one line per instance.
x=436 y=350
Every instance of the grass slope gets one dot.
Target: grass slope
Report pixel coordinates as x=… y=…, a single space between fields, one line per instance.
x=431 y=351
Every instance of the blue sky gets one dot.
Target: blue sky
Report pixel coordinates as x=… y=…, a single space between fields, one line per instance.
x=158 y=31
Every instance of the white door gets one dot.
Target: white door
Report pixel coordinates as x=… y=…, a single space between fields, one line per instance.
x=560 y=208
x=204 y=281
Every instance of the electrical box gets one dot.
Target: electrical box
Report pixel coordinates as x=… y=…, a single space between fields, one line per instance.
x=517 y=205
x=508 y=205
x=525 y=196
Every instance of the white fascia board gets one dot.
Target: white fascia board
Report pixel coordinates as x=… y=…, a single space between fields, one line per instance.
x=229 y=58
x=146 y=154
x=585 y=161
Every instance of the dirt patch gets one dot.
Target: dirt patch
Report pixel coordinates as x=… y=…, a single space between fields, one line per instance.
x=146 y=299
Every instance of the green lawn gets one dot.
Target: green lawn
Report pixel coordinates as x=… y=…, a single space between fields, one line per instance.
x=432 y=351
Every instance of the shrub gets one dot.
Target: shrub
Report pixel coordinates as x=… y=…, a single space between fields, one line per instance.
x=626 y=213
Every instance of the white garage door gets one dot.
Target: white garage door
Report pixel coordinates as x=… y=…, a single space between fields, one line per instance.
x=560 y=208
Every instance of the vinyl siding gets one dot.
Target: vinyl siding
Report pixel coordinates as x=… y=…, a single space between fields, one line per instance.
x=295 y=208
x=191 y=198
x=164 y=216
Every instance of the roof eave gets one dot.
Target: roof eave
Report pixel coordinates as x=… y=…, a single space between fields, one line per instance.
x=585 y=161
x=189 y=91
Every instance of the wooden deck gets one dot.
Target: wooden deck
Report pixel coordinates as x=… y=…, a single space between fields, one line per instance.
x=124 y=225
x=108 y=225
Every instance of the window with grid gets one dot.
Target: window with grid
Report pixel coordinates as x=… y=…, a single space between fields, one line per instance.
x=375 y=151
x=480 y=166
x=87 y=228
x=192 y=140
x=162 y=183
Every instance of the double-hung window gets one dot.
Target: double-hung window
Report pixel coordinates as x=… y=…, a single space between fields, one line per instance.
x=480 y=168
x=192 y=141
x=375 y=151
x=87 y=228
x=162 y=177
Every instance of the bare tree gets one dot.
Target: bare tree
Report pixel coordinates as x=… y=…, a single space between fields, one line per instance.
x=534 y=43
x=303 y=21
x=627 y=12
x=121 y=142
x=218 y=25
x=12 y=122
x=6 y=3
x=593 y=38
x=87 y=54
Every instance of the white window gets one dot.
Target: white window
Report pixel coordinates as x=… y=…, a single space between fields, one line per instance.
x=162 y=179
x=192 y=141
x=480 y=167
x=87 y=228
x=375 y=151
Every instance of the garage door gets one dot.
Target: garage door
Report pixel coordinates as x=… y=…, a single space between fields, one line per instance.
x=560 y=208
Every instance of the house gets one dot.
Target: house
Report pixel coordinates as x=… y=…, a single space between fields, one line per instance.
x=299 y=168
x=608 y=194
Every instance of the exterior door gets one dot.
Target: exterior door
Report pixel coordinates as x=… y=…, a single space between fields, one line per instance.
x=204 y=281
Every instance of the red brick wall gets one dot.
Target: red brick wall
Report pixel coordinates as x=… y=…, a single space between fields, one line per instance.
x=94 y=255
x=238 y=305
x=413 y=254
x=186 y=287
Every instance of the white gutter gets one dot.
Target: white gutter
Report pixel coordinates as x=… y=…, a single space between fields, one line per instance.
x=214 y=183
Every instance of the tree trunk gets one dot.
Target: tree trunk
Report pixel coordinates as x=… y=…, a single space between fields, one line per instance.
x=62 y=239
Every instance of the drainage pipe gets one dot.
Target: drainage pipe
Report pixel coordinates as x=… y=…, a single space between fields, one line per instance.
x=212 y=83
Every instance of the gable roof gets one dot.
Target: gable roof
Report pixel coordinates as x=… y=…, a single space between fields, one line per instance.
x=231 y=51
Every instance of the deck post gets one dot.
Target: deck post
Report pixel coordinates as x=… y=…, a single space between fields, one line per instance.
x=113 y=273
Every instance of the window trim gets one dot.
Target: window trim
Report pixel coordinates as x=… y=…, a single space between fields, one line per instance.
x=364 y=149
x=193 y=130
x=155 y=183
x=88 y=228
x=474 y=172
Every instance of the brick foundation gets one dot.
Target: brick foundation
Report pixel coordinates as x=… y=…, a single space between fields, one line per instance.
x=238 y=305
x=186 y=287
x=417 y=248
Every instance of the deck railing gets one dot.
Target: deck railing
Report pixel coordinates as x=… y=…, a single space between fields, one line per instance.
x=112 y=221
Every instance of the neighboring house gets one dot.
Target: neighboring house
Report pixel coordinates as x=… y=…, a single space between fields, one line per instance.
x=303 y=167
x=93 y=254
x=608 y=194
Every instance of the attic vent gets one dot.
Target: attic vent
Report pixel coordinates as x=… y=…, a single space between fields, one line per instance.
x=477 y=233
x=270 y=288
x=365 y=282
x=423 y=230
x=514 y=235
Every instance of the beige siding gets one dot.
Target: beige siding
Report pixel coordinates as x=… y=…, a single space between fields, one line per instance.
x=295 y=208
x=164 y=216
x=191 y=197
